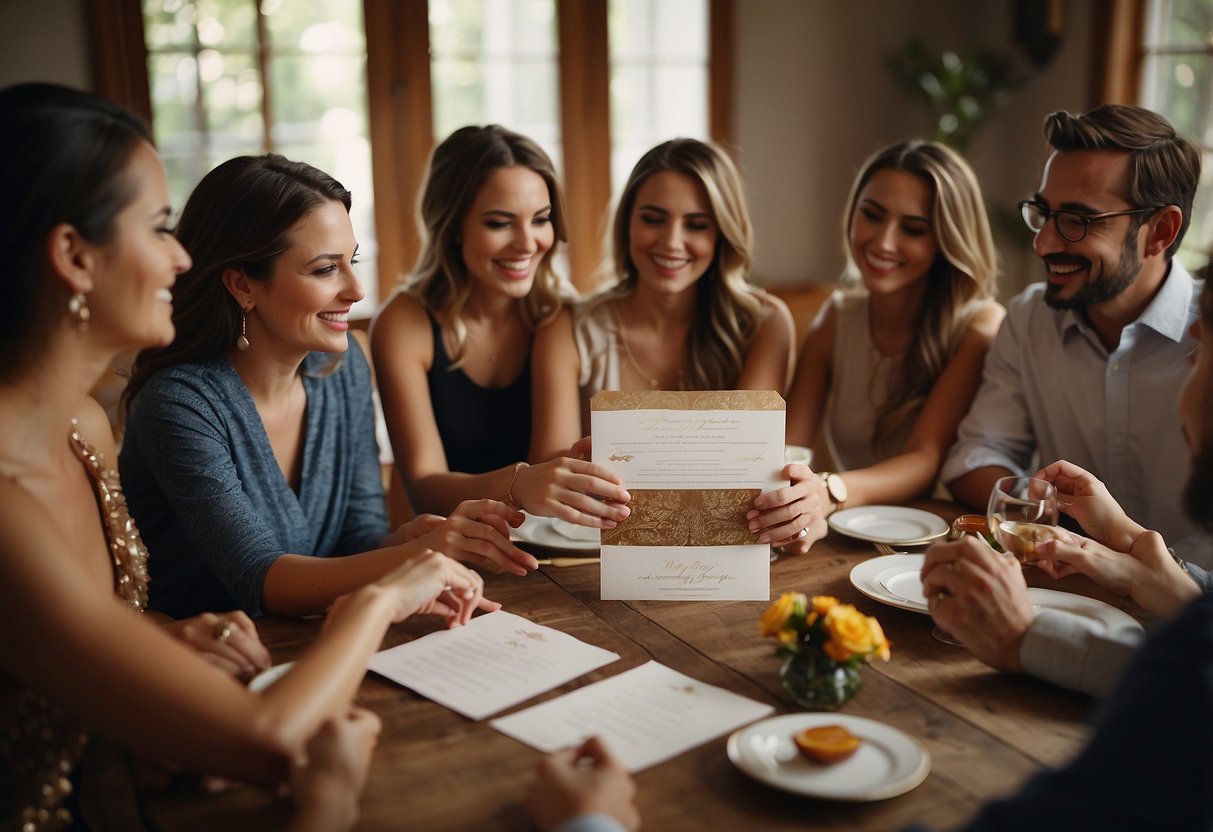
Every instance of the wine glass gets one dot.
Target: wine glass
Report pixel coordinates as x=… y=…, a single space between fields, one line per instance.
x=1022 y=513
x=965 y=524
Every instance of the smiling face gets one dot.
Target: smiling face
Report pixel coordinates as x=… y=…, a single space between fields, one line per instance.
x=891 y=239
x=672 y=232
x=507 y=231
x=304 y=306
x=1108 y=259
x=131 y=298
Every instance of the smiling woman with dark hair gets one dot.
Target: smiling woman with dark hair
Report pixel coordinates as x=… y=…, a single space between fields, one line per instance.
x=91 y=261
x=250 y=457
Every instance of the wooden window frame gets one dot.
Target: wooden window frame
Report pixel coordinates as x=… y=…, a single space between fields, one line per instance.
x=400 y=111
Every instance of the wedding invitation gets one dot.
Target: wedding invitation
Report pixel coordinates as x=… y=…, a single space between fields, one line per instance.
x=693 y=463
x=645 y=716
x=494 y=662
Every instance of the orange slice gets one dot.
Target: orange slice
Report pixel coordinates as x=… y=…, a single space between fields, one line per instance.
x=827 y=743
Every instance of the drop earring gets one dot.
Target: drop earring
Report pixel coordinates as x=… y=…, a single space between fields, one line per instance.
x=242 y=342
x=77 y=307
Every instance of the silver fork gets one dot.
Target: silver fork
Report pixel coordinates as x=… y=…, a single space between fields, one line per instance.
x=885 y=549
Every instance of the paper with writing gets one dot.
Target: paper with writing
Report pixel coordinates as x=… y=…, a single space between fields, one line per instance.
x=693 y=463
x=496 y=661
x=645 y=716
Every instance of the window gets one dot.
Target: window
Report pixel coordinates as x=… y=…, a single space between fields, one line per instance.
x=495 y=62
x=232 y=77
x=659 y=77
x=361 y=89
x=1177 y=81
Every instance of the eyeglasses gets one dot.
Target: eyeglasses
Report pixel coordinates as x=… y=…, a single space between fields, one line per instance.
x=1071 y=225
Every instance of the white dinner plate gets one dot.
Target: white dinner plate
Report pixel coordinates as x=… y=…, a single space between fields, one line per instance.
x=871 y=577
x=888 y=763
x=556 y=534
x=895 y=525
x=894 y=580
x=268 y=676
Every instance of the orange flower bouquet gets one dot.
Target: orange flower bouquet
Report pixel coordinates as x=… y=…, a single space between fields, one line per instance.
x=824 y=643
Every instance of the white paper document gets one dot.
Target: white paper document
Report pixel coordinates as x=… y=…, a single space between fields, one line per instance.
x=693 y=463
x=645 y=716
x=496 y=661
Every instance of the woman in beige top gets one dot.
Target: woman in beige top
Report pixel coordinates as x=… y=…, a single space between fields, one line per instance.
x=682 y=315
x=896 y=356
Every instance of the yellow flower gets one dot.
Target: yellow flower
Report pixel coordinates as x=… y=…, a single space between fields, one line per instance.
x=822 y=604
x=788 y=637
x=850 y=633
x=777 y=615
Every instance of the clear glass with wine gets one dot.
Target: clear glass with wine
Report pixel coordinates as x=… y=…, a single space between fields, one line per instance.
x=1022 y=513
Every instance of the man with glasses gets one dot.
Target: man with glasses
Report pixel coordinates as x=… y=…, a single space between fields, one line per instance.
x=1088 y=363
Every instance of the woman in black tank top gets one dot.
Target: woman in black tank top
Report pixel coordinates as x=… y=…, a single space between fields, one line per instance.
x=452 y=349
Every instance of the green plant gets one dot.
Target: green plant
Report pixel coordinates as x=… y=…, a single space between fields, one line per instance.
x=960 y=89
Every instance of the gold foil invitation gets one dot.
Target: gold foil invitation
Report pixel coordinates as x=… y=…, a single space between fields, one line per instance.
x=693 y=463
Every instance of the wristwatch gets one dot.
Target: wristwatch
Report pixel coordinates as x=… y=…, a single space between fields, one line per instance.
x=836 y=486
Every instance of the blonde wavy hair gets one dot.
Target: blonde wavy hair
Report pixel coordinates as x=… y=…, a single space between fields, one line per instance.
x=964 y=274
x=458 y=169
x=728 y=310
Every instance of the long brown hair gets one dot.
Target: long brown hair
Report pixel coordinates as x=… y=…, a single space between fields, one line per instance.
x=458 y=169
x=728 y=310
x=239 y=217
x=964 y=273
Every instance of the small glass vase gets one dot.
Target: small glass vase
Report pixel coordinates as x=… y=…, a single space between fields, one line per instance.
x=819 y=683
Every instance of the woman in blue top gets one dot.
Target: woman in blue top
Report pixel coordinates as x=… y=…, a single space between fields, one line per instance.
x=250 y=457
x=453 y=349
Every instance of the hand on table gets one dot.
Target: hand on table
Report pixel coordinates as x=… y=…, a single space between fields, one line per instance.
x=228 y=640
x=980 y=597
x=478 y=532
x=1087 y=500
x=328 y=781
x=792 y=518
x=574 y=490
x=419 y=526
x=431 y=583
x=582 y=781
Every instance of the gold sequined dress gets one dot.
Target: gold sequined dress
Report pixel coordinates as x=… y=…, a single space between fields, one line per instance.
x=40 y=745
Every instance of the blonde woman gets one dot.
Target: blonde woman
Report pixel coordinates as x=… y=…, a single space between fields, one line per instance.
x=894 y=359
x=452 y=351
x=682 y=315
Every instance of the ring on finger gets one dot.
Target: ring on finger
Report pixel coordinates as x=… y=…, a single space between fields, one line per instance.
x=222 y=630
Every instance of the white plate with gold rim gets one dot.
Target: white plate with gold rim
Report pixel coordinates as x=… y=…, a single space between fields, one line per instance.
x=888 y=763
x=894 y=580
x=894 y=525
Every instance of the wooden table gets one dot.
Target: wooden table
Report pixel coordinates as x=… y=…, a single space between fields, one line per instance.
x=435 y=769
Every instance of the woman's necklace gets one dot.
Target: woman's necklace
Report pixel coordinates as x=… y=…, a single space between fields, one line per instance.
x=654 y=382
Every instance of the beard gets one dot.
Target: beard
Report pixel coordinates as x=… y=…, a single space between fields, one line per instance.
x=1198 y=491
x=1110 y=286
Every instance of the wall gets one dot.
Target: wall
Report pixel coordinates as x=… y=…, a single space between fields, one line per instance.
x=45 y=40
x=814 y=100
